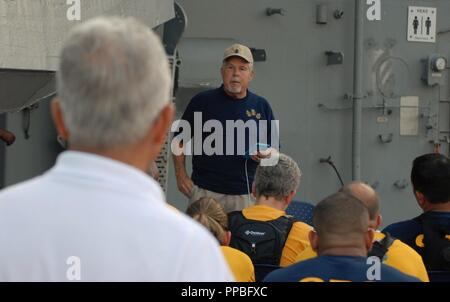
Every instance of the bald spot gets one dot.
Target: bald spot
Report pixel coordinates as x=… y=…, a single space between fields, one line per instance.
x=366 y=194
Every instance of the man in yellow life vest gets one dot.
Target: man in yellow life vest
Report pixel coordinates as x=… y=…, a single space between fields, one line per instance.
x=398 y=254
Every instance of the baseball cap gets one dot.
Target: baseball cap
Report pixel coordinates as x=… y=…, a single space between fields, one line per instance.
x=238 y=50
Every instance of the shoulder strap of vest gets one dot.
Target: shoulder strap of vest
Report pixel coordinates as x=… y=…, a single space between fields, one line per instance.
x=235 y=219
x=285 y=222
x=291 y=221
x=380 y=248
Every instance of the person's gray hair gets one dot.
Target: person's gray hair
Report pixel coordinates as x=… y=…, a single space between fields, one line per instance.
x=113 y=82
x=278 y=181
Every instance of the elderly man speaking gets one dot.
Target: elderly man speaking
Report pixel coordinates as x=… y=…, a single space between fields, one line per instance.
x=96 y=216
x=226 y=174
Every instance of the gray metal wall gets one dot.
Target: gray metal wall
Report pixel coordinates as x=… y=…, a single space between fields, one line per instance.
x=296 y=80
x=32 y=32
x=30 y=157
x=31 y=35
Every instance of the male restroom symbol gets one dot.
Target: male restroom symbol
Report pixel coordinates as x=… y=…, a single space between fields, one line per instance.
x=415 y=25
x=428 y=25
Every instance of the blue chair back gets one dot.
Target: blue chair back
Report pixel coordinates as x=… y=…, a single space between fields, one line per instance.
x=302 y=211
x=262 y=270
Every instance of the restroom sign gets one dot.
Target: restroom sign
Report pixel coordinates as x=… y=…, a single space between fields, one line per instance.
x=422 y=24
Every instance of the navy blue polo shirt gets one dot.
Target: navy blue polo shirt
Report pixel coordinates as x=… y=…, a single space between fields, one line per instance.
x=335 y=268
x=224 y=173
x=411 y=231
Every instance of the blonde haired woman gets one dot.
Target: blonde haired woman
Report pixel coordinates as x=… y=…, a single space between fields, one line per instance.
x=211 y=215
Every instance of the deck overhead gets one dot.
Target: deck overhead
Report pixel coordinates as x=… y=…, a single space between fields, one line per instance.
x=32 y=32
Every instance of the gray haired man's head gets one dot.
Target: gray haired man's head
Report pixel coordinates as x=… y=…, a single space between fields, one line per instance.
x=113 y=82
x=279 y=180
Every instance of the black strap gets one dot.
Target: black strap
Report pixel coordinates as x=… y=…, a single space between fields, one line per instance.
x=239 y=215
x=380 y=248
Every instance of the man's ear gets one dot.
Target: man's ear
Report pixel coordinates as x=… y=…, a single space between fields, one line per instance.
x=227 y=239
x=161 y=125
x=314 y=240
x=289 y=198
x=252 y=75
x=368 y=239
x=58 y=119
x=421 y=199
x=379 y=220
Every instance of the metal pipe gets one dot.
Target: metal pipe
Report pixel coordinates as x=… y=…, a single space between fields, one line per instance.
x=358 y=89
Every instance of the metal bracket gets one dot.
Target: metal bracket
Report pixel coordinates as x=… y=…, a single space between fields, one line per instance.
x=445 y=139
x=386 y=138
x=338 y=13
x=259 y=55
x=401 y=184
x=174 y=29
x=375 y=185
x=275 y=11
x=334 y=58
x=26 y=119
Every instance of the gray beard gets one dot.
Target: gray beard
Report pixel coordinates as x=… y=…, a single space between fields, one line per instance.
x=234 y=90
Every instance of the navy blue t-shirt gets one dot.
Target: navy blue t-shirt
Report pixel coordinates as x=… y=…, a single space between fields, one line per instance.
x=411 y=232
x=335 y=268
x=225 y=174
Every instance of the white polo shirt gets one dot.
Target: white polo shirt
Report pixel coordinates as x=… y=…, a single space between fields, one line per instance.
x=91 y=218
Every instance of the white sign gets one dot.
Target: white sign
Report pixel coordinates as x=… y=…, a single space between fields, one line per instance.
x=409 y=116
x=422 y=24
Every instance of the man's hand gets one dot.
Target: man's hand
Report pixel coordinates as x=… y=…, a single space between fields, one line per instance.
x=7 y=137
x=264 y=154
x=185 y=184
